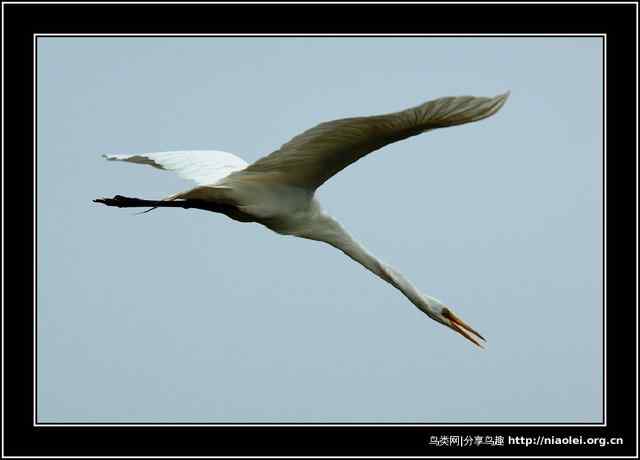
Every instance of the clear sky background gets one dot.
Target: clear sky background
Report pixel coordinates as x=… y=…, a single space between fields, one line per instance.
x=187 y=316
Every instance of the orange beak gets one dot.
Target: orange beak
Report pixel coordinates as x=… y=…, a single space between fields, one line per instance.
x=462 y=328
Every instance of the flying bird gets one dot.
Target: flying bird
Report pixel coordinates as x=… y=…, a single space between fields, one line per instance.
x=278 y=190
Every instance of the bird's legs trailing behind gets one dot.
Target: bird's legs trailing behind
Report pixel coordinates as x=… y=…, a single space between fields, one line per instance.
x=128 y=202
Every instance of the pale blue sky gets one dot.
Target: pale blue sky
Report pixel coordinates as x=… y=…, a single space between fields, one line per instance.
x=187 y=316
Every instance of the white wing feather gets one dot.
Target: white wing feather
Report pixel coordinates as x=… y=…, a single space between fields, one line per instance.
x=311 y=158
x=205 y=167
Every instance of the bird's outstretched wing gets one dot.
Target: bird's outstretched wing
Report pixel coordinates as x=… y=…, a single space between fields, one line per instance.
x=205 y=167
x=312 y=157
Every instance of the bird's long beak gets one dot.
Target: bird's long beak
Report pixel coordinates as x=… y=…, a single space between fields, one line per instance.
x=463 y=328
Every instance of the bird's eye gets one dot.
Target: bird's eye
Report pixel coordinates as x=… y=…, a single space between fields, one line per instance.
x=445 y=312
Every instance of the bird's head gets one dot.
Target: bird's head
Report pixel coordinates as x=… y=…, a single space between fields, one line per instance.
x=443 y=314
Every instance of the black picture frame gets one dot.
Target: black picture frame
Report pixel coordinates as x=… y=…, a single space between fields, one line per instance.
x=617 y=23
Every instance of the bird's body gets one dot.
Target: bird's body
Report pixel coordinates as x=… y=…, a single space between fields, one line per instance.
x=278 y=191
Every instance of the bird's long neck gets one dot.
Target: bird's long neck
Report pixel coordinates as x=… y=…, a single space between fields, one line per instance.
x=330 y=231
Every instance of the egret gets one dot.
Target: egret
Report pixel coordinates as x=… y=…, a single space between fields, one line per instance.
x=278 y=190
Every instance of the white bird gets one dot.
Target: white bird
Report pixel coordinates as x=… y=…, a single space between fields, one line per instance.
x=278 y=190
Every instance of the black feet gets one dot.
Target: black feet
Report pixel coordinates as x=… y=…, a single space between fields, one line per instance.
x=123 y=202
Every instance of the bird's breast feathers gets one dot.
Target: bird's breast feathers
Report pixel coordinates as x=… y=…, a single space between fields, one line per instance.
x=269 y=201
